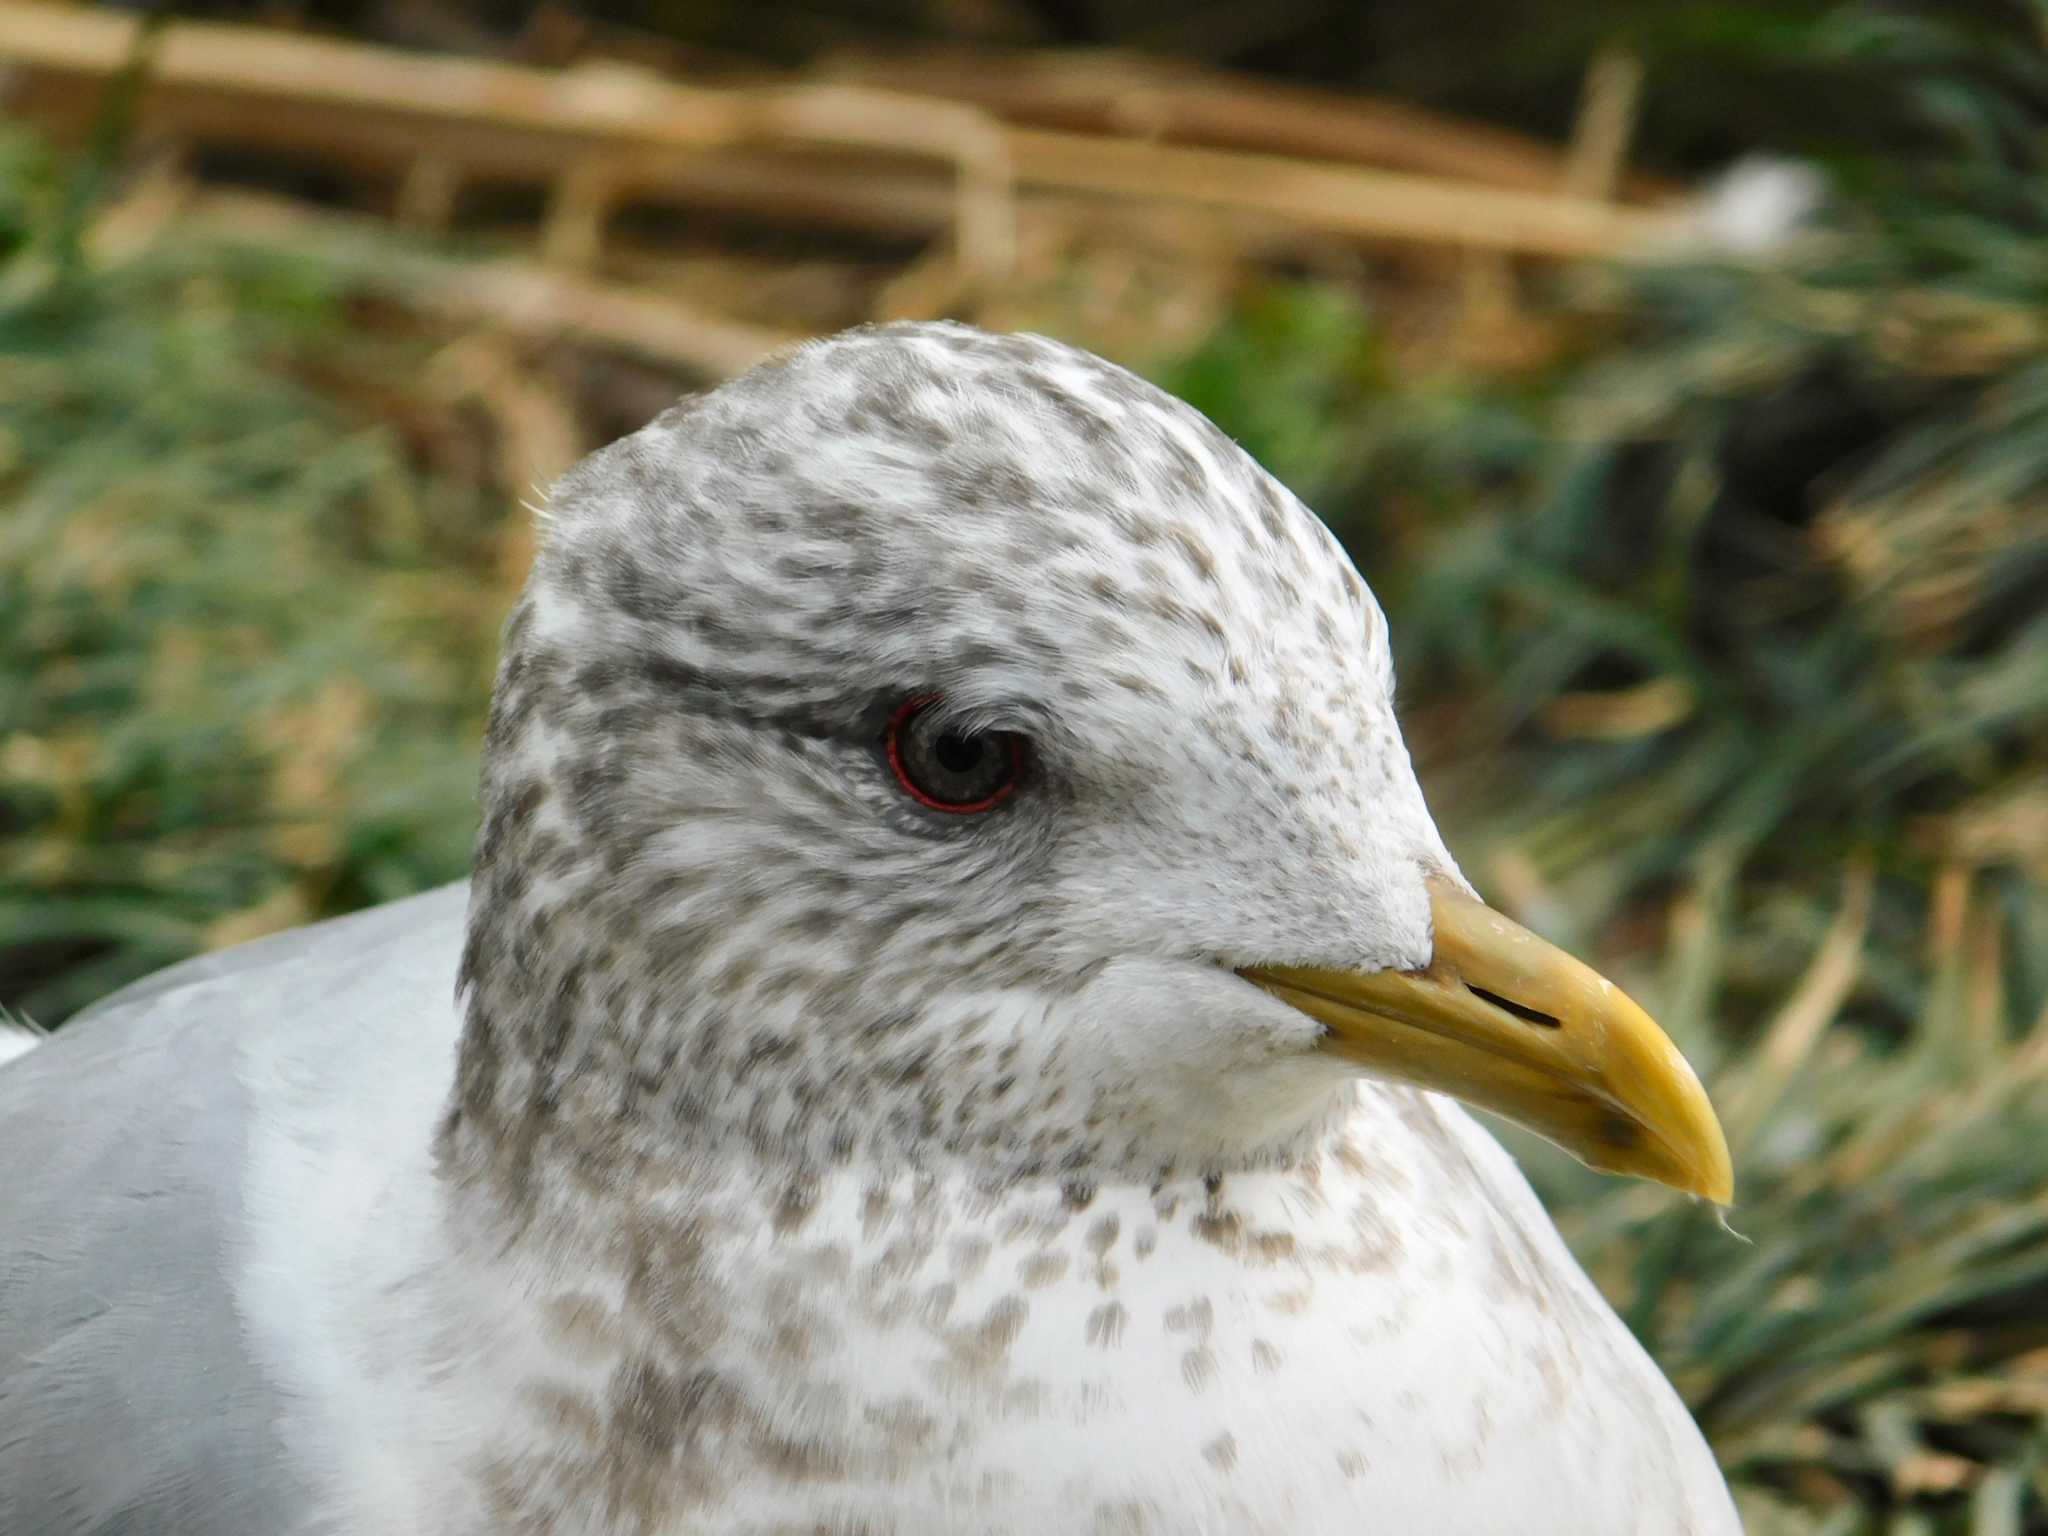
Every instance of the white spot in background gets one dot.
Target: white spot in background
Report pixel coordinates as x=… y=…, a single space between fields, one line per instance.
x=1758 y=204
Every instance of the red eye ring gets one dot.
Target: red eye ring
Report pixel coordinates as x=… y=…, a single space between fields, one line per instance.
x=893 y=744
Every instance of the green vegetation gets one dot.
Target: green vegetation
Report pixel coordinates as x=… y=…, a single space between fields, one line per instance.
x=1725 y=630
x=244 y=632
x=1726 y=654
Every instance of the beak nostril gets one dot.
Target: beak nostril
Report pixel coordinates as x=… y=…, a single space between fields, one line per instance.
x=1519 y=1010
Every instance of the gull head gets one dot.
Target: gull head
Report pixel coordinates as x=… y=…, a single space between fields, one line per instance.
x=941 y=744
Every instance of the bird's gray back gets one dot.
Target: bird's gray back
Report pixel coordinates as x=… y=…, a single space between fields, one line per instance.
x=131 y=1401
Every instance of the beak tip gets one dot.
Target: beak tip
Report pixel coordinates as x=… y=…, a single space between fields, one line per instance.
x=1688 y=1154
x=1690 y=1143
x=1715 y=1186
x=1717 y=1183
x=1713 y=1168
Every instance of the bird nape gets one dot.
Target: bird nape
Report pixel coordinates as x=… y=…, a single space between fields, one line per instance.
x=945 y=1034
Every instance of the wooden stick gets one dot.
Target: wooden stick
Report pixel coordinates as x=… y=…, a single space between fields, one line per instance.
x=897 y=201
x=1118 y=92
x=1341 y=200
x=426 y=197
x=222 y=58
x=572 y=232
x=985 y=176
x=518 y=297
x=1598 y=154
x=245 y=85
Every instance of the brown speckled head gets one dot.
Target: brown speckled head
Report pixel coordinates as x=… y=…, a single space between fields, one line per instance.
x=706 y=911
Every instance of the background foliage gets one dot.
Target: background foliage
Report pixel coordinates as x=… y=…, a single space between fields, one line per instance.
x=1726 y=643
x=1724 y=611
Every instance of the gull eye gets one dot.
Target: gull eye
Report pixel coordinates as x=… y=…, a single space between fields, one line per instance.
x=944 y=769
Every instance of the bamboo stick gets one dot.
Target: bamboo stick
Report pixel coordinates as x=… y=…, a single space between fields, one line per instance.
x=1099 y=91
x=1340 y=200
x=517 y=297
x=1597 y=158
x=234 y=84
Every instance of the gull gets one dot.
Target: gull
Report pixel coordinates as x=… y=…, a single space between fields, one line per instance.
x=953 y=1027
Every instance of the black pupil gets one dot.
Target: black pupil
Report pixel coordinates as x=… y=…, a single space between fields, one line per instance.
x=956 y=753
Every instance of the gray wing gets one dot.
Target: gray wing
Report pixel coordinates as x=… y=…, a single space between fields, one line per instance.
x=267 y=953
x=130 y=1403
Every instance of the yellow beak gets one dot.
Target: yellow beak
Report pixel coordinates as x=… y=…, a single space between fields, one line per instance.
x=1512 y=1024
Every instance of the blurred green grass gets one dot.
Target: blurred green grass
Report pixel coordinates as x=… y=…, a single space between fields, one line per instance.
x=1724 y=632
x=1725 y=651
x=245 y=631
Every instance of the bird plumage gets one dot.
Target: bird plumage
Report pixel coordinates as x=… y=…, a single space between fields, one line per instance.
x=749 y=1148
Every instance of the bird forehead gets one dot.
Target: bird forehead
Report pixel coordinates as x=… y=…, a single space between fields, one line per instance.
x=989 y=503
